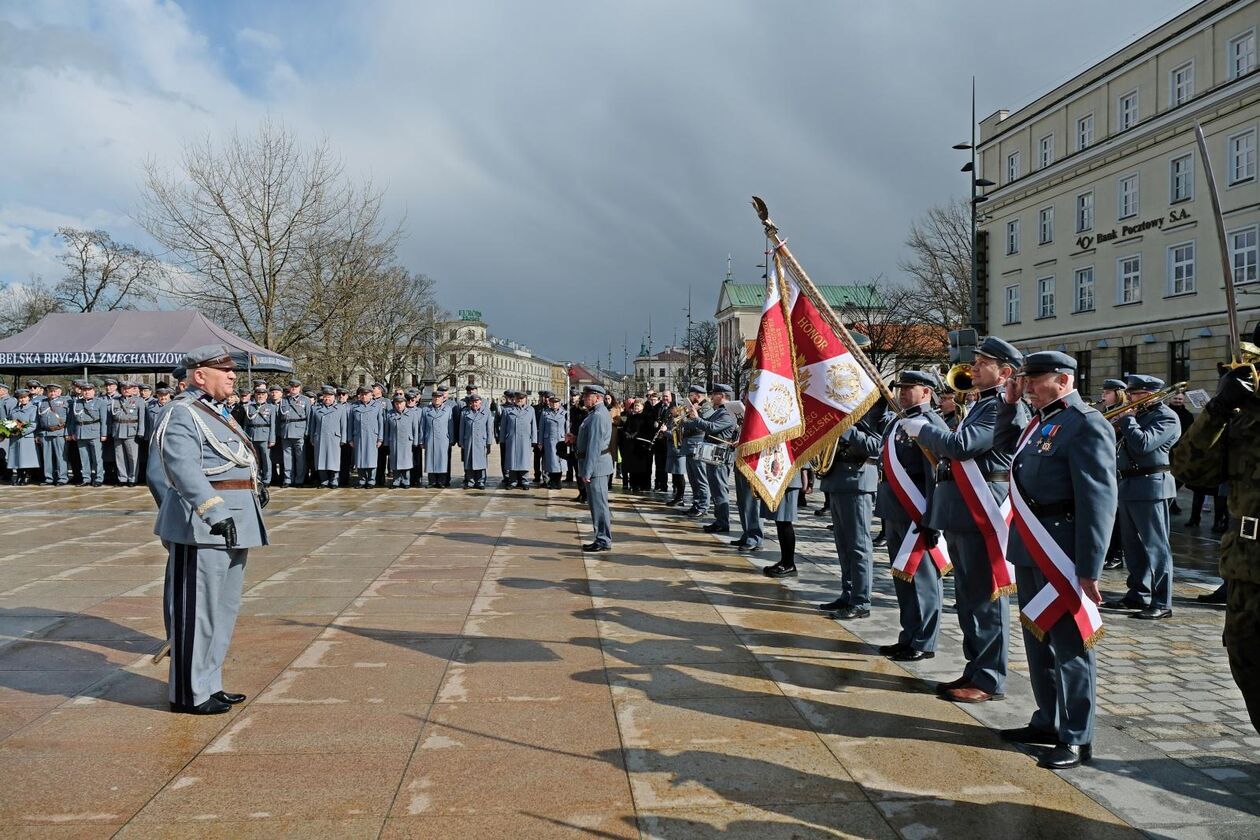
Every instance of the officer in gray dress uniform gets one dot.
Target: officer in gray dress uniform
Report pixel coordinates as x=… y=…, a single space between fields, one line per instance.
x=414 y=410
x=126 y=427
x=850 y=486
x=1147 y=490
x=697 y=475
x=365 y=430
x=987 y=436
x=260 y=423
x=50 y=423
x=400 y=437
x=1066 y=474
x=294 y=410
x=919 y=598
x=718 y=427
x=88 y=418
x=327 y=423
x=476 y=431
x=7 y=403
x=518 y=433
x=595 y=465
x=553 y=421
x=437 y=433
x=206 y=475
x=23 y=448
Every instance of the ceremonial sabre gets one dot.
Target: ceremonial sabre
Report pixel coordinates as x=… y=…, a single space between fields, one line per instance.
x=1231 y=305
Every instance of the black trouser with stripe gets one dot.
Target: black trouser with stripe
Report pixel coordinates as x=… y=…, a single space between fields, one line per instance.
x=202 y=599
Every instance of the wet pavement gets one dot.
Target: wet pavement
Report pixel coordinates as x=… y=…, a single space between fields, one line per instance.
x=447 y=664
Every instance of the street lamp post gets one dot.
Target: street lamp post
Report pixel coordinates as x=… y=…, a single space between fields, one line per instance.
x=976 y=184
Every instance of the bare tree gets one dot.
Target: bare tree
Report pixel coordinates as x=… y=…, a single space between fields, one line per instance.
x=104 y=275
x=270 y=237
x=939 y=266
x=23 y=305
x=883 y=311
x=702 y=344
x=732 y=367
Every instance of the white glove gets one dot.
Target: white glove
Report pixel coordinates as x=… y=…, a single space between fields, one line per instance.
x=913 y=426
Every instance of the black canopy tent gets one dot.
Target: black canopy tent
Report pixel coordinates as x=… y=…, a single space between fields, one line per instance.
x=124 y=341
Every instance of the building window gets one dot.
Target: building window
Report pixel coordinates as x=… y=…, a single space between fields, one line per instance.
x=1012 y=237
x=362 y=379
x=1012 y=166
x=1181 y=179
x=1128 y=360
x=1083 y=293
x=1127 y=113
x=1045 y=226
x=1178 y=361
x=1084 y=376
x=1084 y=131
x=1085 y=212
x=1012 y=304
x=1242 y=157
x=662 y=373
x=1244 y=255
x=1242 y=54
x=454 y=333
x=1180 y=84
x=1181 y=269
x=1045 y=297
x=454 y=360
x=1128 y=200
x=1129 y=279
x=472 y=359
x=1045 y=151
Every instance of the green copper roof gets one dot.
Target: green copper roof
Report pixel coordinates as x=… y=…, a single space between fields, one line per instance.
x=752 y=294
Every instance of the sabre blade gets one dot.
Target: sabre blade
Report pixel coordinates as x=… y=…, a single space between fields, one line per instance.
x=1227 y=270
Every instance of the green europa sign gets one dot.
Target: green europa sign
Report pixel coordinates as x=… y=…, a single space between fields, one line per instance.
x=470 y=314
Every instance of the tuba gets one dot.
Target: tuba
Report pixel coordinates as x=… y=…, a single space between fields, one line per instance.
x=676 y=426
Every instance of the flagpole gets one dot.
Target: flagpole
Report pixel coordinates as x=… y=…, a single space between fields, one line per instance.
x=772 y=232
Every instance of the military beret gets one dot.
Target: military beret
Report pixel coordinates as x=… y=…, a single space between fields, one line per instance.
x=328 y=391
x=1001 y=351
x=925 y=378
x=725 y=390
x=860 y=339
x=1114 y=385
x=22 y=392
x=260 y=388
x=1047 y=361
x=696 y=389
x=162 y=389
x=594 y=389
x=1143 y=382
x=211 y=356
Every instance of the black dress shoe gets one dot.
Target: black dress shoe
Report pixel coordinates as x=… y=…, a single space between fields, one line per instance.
x=212 y=706
x=780 y=570
x=228 y=697
x=1067 y=756
x=1030 y=735
x=715 y=528
x=1217 y=597
x=912 y=655
x=849 y=613
x=832 y=606
x=1153 y=614
x=889 y=650
x=739 y=543
x=1122 y=604
x=595 y=547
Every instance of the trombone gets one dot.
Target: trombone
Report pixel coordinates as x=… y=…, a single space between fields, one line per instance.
x=1140 y=404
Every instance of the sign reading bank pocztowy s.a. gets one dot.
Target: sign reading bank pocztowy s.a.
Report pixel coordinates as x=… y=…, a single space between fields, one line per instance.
x=1174 y=216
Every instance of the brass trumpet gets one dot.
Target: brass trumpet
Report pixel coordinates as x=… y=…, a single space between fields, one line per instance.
x=1151 y=400
x=958 y=380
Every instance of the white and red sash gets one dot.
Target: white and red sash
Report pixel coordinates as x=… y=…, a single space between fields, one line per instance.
x=910 y=553
x=1062 y=594
x=992 y=520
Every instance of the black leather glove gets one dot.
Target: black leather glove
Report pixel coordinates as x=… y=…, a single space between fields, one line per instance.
x=1235 y=390
x=263 y=495
x=931 y=537
x=226 y=529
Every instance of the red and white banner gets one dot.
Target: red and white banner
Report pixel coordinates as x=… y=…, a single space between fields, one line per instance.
x=1062 y=594
x=913 y=546
x=772 y=403
x=992 y=520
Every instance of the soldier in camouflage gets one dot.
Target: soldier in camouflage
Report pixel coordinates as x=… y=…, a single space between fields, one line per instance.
x=1231 y=423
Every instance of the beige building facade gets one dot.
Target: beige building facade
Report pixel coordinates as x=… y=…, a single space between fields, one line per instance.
x=470 y=355
x=1099 y=237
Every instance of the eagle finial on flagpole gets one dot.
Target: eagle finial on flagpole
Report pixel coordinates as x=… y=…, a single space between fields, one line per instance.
x=763 y=213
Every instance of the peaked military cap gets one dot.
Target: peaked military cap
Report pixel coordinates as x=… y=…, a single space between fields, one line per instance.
x=328 y=391
x=1047 y=361
x=34 y=383
x=594 y=389
x=145 y=386
x=363 y=389
x=276 y=387
x=1114 y=385
x=696 y=389
x=412 y=392
x=88 y=385
x=80 y=383
x=442 y=389
x=22 y=392
x=545 y=394
x=109 y=380
x=51 y=385
x=162 y=389
x=1143 y=382
x=725 y=390
x=209 y=356
x=260 y=388
x=399 y=398
x=342 y=392
x=925 y=378
x=470 y=388
x=1000 y=350
x=860 y=339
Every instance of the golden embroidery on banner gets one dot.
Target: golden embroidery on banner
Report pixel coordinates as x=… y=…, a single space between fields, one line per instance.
x=778 y=404
x=844 y=382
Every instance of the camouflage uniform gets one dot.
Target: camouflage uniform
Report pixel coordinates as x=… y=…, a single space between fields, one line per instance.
x=1200 y=461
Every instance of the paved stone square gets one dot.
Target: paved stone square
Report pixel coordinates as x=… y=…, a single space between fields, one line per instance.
x=448 y=664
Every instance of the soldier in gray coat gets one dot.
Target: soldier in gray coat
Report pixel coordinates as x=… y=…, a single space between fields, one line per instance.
x=50 y=423
x=518 y=432
x=210 y=516
x=7 y=403
x=476 y=431
x=260 y=422
x=126 y=427
x=365 y=431
x=89 y=416
x=986 y=438
x=437 y=433
x=595 y=465
x=553 y=421
x=23 y=448
x=720 y=426
x=400 y=435
x=697 y=475
x=294 y=410
x=327 y=424
x=1147 y=490
x=850 y=485
x=1064 y=482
